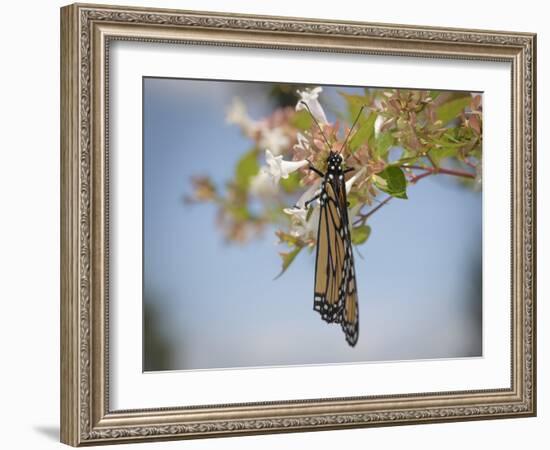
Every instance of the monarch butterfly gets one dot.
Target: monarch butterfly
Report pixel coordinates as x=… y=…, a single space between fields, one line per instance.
x=335 y=287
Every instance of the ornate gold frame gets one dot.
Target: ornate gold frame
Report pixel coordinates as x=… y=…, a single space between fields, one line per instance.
x=86 y=31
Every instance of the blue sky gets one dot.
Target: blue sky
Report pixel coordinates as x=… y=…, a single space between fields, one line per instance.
x=217 y=305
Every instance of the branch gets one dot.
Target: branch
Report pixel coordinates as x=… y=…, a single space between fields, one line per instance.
x=416 y=178
x=362 y=218
x=470 y=163
x=432 y=171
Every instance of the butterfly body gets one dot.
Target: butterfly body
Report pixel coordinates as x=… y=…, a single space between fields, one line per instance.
x=335 y=291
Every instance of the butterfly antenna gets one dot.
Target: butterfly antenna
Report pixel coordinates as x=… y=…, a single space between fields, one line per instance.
x=317 y=123
x=352 y=127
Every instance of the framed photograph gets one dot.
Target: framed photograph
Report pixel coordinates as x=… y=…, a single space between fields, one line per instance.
x=276 y=224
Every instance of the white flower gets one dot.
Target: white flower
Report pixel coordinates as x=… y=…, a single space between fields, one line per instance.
x=312 y=225
x=278 y=168
x=302 y=142
x=301 y=226
x=309 y=194
x=298 y=214
x=378 y=125
x=353 y=179
x=263 y=184
x=238 y=115
x=274 y=139
x=311 y=98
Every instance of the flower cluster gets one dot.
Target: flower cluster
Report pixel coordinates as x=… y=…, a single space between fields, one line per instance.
x=399 y=137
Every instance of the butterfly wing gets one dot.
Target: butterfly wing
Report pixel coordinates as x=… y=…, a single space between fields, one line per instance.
x=335 y=285
x=330 y=258
x=350 y=312
x=350 y=305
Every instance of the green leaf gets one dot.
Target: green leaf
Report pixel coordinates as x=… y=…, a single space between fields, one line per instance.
x=439 y=154
x=392 y=181
x=383 y=143
x=365 y=131
x=451 y=109
x=292 y=183
x=302 y=120
x=247 y=167
x=288 y=257
x=360 y=234
x=476 y=153
x=450 y=142
x=239 y=213
x=434 y=94
x=353 y=199
x=355 y=102
x=286 y=238
x=356 y=99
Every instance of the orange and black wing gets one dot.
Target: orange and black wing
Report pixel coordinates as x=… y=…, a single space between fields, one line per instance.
x=335 y=288
x=350 y=311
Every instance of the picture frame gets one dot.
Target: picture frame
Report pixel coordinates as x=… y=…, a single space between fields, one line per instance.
x=87 y=34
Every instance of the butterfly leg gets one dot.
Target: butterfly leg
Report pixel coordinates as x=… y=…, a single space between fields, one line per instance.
x=311 y=200
x=314 y=169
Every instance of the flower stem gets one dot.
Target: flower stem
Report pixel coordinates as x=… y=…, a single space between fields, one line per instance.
x=470 y=164
x=416 y=178
x=442 y=170
x=363 y=217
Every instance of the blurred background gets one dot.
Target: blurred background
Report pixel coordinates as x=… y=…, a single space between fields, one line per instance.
x=208 y=303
